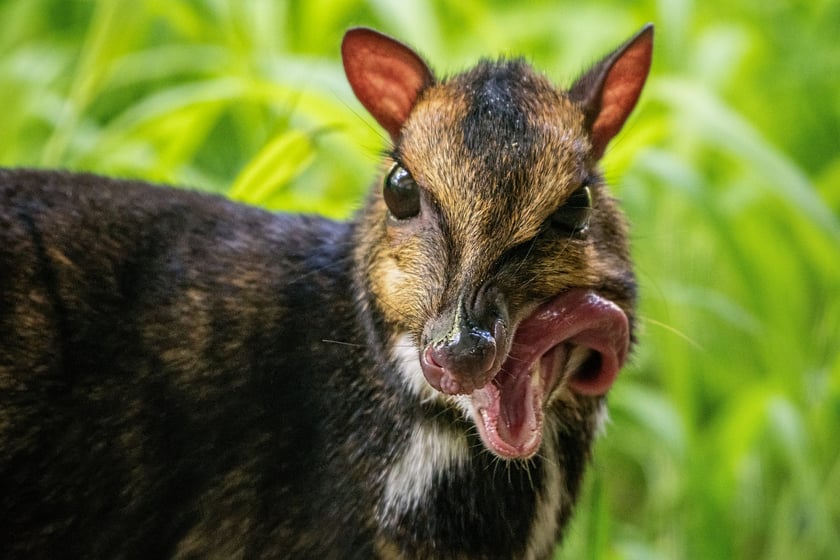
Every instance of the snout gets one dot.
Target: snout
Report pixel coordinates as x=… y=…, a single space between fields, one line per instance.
x=466 y=358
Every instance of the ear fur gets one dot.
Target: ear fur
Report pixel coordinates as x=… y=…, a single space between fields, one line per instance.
x=610 y=89
x=385 y=75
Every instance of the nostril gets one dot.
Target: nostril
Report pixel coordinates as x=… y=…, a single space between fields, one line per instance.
x=461 y=363
x=464 y=352
x=471 y=352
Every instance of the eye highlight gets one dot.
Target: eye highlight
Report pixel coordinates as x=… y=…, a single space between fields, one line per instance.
x=573 y=217
x=401 y=193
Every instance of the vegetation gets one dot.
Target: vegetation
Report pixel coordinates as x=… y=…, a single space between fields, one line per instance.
x=725 y=439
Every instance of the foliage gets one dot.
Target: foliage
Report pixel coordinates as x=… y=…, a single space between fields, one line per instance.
x=724 y=439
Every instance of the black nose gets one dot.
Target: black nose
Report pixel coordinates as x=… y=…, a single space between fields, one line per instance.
x=465 y=360
x=469 y=353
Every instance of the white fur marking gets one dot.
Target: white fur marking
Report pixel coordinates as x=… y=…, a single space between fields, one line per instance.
x=430 y=451
x=602 y=418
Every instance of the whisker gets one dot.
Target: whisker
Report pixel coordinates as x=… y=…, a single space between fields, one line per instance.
x=675 y=331
x=342 y=343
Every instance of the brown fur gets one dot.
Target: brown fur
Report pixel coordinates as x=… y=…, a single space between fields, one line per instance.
x=181 y=376
x=404 y=261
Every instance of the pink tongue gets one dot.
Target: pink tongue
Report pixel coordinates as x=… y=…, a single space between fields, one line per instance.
x=509 y=409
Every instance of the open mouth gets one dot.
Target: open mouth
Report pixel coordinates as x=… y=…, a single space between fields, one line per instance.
x=579 y=338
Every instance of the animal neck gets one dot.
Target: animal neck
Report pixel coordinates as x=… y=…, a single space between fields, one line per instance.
x=442 y=487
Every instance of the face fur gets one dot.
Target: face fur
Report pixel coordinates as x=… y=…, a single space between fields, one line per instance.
x=492 y=249
x=493 y=167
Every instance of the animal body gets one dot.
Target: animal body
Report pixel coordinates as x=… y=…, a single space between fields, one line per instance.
x=185 y=377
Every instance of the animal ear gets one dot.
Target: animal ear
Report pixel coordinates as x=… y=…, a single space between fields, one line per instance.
x=610 y=89
x=385 y=75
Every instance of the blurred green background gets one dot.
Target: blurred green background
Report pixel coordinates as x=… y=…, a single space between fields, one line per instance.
x=725 y=432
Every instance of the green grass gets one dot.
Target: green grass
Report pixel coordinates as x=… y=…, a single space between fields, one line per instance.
x=725 y=439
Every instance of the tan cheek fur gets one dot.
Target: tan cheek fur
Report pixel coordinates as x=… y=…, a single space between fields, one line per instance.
x=404 y=272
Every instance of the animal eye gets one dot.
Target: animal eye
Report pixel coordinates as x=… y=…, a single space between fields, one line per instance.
x=573 y=216
x=401 y=193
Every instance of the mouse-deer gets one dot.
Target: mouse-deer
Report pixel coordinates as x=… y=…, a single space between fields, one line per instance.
x=182 y=376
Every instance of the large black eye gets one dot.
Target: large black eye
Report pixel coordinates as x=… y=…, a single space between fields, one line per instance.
x=573 y=216
x=401 y=193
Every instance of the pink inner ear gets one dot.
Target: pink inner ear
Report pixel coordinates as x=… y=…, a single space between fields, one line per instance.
x=621 y=90
x=385 y=75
